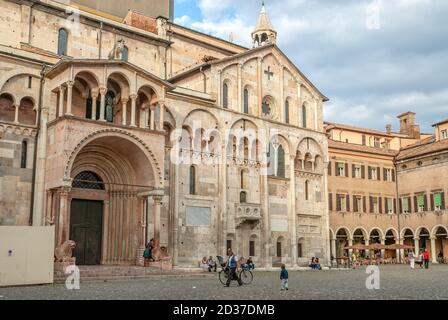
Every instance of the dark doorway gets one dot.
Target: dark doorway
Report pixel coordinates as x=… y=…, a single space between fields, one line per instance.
x=86 y=221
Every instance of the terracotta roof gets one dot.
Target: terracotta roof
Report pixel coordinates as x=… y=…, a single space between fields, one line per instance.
x=440 y=122
x=424 y=147
x=360 y=148
x=332 y=125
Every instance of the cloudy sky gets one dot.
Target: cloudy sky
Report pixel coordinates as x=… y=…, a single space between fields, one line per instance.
x=373 y=58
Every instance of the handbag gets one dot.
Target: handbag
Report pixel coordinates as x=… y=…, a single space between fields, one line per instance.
x=146 y=253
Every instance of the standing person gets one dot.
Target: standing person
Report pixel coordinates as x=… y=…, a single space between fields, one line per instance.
x=284 y=278
x=426 y=258
x=411 y=257
x=232 y=265
x=147 y=254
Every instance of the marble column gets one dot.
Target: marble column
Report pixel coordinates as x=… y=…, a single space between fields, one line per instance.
x=61 y=101
x=16 y=113
x=152 y=122
x=124 y=102
x=333 y=248
x=103 y=92
x=417 y=245
x=69 y=97
x=433 y=250
x=157 y=205
x=366 y=242
x=63 y=223
x=94 y=95
x=49 y=219
x=133 y=109
x=350 y=251
x=161 y=115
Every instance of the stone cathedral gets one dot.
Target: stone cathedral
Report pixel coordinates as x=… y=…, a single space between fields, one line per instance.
x=119 y=129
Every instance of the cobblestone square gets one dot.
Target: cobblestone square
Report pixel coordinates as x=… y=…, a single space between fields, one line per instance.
x=396 y=282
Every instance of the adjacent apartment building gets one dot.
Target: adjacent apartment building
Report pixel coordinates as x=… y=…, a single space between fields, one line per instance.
x=388 y=187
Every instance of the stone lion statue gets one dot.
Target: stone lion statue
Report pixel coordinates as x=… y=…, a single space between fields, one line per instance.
x=159 y=253
x=64 y=252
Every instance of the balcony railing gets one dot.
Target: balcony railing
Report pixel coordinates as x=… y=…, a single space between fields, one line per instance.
x=247 y=213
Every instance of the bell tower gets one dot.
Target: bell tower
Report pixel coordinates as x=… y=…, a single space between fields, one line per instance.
x=264 y=32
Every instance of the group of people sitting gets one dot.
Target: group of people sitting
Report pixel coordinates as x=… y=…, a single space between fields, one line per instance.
x=210 y=264
x=315 y=264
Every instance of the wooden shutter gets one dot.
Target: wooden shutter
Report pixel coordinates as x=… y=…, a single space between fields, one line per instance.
x=371 y=204
x=329 y=168
x=415 y=204
x=425 y=202
x=330 y=201
x=353 y=170
x=443 y=200
x=346 y=170
x=364 y=206
x=384 y=174
x=338 y=203
x=363 y=172
x=347 y=202
x=386 y=205
x=395 y=206
x=380 y=205
x=400 y=203
x=393 y=175
x=355 y=205
x=431 y=196
x=336 y=169
x=369 y=170
x=378 y=173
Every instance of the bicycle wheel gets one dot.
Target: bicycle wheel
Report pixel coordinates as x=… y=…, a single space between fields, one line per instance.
x=223 y=277
x=246 y=276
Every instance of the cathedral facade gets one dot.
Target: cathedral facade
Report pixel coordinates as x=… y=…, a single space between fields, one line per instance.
x=117 y=130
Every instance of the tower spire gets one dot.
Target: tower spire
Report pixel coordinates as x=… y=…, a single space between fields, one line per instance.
x=264 y=32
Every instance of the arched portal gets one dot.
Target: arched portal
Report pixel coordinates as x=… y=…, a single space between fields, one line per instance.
x=107 y=210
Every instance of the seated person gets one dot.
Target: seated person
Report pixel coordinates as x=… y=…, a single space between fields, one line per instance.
x=317 y=264
x=250 y=264
x=211 y=264
x=204 y=264
x=313 y=263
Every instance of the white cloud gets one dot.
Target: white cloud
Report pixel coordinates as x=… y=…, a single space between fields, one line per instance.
x=369 y=75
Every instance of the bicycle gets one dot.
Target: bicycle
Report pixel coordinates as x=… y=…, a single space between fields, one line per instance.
x=245 y=274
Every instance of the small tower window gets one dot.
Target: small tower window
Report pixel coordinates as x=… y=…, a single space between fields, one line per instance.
x=192 y=180
x=125 y=54
x=304 y=116
x=24 y=154
x=62 y=42
x=286 y=111
x=246 y=101
x=225 y=95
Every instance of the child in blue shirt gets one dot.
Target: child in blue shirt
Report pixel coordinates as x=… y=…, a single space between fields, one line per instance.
x=284 y=277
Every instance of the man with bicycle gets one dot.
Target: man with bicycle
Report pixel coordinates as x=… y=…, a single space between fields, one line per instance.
x=232 y=264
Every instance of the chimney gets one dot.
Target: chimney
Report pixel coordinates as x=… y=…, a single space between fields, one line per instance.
x=388 y=128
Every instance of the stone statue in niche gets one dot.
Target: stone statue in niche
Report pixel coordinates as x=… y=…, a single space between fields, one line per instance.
x=118 y=50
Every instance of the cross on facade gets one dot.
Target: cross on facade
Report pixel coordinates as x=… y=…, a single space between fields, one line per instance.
x=269 y=73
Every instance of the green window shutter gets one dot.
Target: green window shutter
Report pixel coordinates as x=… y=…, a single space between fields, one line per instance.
x=438 y=199
x=421 y=200
x=405 y=204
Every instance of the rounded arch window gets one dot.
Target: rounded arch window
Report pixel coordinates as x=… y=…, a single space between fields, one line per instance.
x=88 y=180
